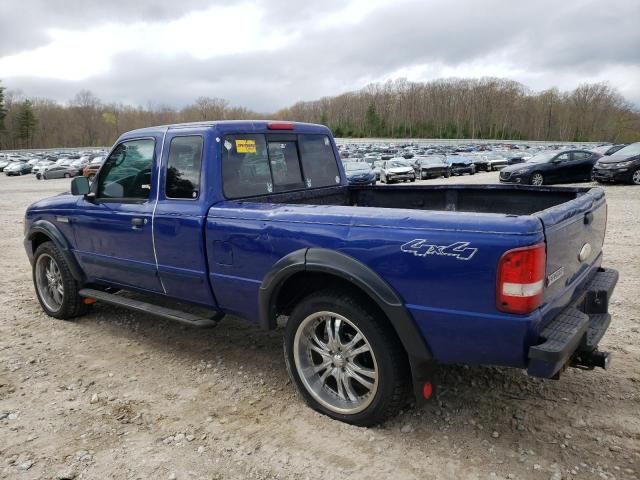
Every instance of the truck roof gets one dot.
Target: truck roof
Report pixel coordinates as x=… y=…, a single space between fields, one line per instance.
x=226 y=125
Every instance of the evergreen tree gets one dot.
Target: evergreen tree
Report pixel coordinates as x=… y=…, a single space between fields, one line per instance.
x=372 y=121
x=26 y=123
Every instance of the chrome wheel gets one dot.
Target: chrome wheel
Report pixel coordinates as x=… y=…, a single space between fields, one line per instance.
x=537 y=179
x=49 y=282
x=635 y=178
x=335 y=363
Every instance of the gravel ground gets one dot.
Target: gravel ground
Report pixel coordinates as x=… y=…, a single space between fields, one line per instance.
x=122 y=395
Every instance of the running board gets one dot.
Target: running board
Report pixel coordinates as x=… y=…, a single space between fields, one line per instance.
x=144 y=307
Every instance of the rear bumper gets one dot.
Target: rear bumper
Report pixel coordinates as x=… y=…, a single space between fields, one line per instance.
x=572 y=337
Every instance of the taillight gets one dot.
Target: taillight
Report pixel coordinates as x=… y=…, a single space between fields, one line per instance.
x=280 y=126
x=521 y=279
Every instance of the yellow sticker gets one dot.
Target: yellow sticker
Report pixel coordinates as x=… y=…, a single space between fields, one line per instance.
x=246 y=146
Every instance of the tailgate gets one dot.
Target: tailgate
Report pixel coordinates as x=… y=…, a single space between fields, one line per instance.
x=574 y=233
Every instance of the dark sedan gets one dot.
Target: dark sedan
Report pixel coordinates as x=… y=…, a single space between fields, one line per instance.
x=554 y=166
x=359 y=173
x=622 y=166
x=58 y=171
x=17 y=168
x=431 y=167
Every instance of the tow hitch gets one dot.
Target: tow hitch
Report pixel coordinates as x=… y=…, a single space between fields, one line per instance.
x=590 y=360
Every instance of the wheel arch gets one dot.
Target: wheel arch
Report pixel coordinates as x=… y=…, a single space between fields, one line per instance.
x=44 y=231
x=318 y=266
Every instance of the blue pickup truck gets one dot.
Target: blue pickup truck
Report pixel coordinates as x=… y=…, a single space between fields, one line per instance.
x=377 y=284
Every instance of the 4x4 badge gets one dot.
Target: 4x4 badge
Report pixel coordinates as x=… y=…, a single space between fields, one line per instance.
x=420 y=248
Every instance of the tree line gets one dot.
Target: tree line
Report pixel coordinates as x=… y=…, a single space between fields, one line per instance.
x=485 y=108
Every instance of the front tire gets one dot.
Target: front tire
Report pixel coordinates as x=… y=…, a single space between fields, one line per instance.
x=344 y=359
x=56 y=289
x=536 y=179
x=635 y=177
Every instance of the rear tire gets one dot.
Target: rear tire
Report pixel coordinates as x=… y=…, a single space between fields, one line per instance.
x=56 y=289
x=319 y=351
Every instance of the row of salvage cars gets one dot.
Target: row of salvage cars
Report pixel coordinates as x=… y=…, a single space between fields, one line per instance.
x=47 y=165
x=533 y=166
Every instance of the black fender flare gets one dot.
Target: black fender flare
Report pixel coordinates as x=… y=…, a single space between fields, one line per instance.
x=360 y=275
x=47 y=228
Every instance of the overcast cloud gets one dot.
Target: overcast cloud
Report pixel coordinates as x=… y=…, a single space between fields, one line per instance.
x=266 y=55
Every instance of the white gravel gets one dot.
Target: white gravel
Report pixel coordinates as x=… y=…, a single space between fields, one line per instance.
x=100 y=397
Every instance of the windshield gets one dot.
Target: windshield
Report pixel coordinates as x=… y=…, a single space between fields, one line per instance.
x=351 y=166
x=542 y=157
x=396 y=164
x=630 y=150
x=427 y=161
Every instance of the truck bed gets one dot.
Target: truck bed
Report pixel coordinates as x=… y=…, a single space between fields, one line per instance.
x=500 y=199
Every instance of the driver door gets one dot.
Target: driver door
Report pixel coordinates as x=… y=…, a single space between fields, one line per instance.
x=113 y=230
x=561 y=169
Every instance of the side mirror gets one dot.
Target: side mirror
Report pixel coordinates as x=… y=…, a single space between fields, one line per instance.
x=79 y=186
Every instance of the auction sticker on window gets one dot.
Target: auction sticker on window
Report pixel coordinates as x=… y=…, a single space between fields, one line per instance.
x=246 y=146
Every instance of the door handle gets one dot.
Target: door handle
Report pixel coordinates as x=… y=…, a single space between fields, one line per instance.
x=137 y=222
x=588 y=218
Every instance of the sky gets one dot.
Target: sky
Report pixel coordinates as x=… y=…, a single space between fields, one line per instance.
x=268 y=54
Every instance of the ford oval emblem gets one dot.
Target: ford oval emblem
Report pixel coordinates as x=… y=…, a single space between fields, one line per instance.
x=585 y=252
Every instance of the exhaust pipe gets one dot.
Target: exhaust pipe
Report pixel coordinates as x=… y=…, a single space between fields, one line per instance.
x=590 y=360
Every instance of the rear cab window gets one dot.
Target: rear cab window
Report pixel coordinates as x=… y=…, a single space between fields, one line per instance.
x=260 y=164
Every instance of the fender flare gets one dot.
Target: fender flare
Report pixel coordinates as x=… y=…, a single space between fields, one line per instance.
x=360 y=275
x=47 y=228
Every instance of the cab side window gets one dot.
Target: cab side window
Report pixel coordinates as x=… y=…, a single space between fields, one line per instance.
x=183 y=167
x=126 y=174
x=563 y=157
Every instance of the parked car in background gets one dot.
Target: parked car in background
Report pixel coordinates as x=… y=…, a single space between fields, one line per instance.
x=17 y=168
x=555 y=166
x=431 y=167
x=460 y=165
x=42 y=166
x=377 y=168
x=622 y=166
x=81 y=163
x=397 y=170
x=606 y=150
x=92 y=168
x=495 y=161
x=481 y=163
x=5 y=162
x=58 y=171
x=359 y=173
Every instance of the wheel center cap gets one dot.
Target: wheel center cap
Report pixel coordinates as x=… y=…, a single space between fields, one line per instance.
x=339 y=361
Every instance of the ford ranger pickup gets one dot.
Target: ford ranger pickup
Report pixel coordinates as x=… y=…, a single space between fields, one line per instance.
x=375 y=285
